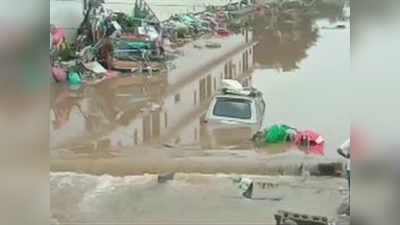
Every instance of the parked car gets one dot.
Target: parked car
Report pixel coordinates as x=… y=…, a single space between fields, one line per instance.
x=234 y=115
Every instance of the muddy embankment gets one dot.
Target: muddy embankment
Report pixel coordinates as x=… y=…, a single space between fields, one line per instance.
x=174 y=160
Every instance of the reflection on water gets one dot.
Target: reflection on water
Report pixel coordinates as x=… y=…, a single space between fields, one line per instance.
x=284 y=39
x=310 y=93
x=138 y=110
x=134 y=111
x=285 y=35
x=89 y=111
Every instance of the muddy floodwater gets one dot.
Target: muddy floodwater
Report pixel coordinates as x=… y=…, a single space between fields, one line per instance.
x=312 y=93
x=300 y=65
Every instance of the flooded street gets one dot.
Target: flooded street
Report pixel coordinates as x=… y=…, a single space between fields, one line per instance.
x=298 y=78
x=137 y=110
x=109 y=140
x=306 y=96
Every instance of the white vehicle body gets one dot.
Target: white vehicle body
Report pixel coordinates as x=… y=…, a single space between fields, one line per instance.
x=232 y=118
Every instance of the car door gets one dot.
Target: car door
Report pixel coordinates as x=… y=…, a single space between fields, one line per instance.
x=260 y=105
x=258 y=113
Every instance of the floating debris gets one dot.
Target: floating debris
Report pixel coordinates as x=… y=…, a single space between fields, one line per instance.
x=337 y=27
x=162 y=178
x=213 y=45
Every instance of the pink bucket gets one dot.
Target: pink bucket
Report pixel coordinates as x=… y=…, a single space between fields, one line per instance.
x=59 y=74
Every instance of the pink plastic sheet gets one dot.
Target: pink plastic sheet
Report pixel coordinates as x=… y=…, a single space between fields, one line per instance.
x=316 y=141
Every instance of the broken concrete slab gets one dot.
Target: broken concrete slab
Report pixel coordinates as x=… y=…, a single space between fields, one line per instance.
x=285 y=217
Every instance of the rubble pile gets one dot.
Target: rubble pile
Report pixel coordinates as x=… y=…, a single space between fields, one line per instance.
x=106 y=41
x=110 y=41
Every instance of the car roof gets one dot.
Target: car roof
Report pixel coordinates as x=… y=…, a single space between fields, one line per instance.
x=234 y=96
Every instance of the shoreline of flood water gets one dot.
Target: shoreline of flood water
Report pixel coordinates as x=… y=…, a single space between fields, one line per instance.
x=175 y=160
x=91 y=199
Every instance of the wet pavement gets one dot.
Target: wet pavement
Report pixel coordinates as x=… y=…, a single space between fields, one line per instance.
x=203 y=198
x=137 y=124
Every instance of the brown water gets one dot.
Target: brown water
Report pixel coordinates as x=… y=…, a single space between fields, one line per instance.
x=301 y=69
x=299 y=66
x=305 y=80
x=137 y=111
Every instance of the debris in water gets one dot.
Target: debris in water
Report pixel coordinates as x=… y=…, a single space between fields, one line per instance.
x=246 y=185
x=339 y=26
x=197 y=46
x=162 y=178
x=168 y=145
x=59 y=74
x=95 y=67
x=310 y=141
x=213 y=45
x=276 y=133
x=74 y=78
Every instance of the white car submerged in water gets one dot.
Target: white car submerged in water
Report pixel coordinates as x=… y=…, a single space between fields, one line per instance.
x=234 y=115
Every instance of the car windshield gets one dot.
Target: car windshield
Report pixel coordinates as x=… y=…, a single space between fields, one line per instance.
x=231 y=107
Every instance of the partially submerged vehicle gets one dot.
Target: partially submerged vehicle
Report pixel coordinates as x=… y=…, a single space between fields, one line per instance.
x=233 y=116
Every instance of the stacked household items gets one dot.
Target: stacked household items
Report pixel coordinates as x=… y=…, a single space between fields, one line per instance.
x=107 y=41
x=183 y=28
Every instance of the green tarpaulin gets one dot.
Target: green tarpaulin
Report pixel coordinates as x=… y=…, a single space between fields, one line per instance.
x=277 y=133
x=186 y=19
x=122 y=44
